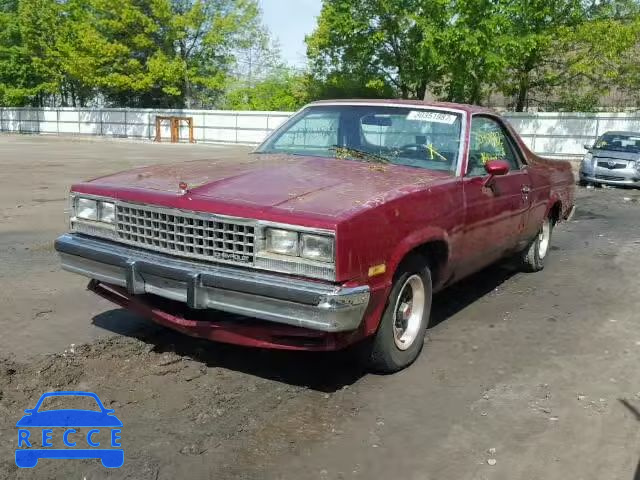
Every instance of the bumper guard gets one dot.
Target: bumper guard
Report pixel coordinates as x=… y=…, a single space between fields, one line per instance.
x=300 y=303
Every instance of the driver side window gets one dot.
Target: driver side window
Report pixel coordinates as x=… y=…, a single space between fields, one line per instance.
x=488 y=142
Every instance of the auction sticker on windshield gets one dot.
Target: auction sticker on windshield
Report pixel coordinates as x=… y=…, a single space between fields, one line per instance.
x=431 y=116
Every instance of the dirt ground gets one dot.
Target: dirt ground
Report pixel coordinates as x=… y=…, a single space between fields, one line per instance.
x=538 y=372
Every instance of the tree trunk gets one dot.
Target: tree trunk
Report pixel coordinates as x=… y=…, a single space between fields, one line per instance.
x=187 y=93
x=475 y=96
x=422 y=90
x=523 y=92
x=405 y=91
x=72 y=91
x=63 y=96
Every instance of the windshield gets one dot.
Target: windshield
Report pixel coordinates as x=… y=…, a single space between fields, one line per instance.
x=414 y=137
x=619 y=142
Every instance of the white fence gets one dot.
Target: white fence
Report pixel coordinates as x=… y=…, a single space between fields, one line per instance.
x=565 y=134
x=552 y=134
x=210 y=126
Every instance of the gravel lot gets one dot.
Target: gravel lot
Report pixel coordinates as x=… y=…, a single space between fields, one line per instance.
x=525 y=376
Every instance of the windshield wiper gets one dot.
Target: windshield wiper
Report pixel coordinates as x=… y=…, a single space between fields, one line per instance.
x=343 y=151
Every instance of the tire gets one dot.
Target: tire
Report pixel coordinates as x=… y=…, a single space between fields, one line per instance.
x=399 y=341
x=533 y=257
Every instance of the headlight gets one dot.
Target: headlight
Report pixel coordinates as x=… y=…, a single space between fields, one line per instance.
x=638 y=165
x=107 y=212
x=283 y=242
x=587 y=164
x=317 y=247
x=86 y=208
x=95 y=210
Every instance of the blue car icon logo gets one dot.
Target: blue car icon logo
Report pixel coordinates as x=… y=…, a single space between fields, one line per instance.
x=102 y=427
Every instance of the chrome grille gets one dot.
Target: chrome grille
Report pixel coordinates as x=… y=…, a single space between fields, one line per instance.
x=187 y=234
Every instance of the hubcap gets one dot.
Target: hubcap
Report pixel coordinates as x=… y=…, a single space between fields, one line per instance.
x=545 y=238
x=408 y=312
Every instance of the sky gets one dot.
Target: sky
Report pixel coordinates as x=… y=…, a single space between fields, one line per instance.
x=289 y=21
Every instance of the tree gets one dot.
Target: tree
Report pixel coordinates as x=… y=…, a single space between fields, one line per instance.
x=162 y=53
x=564 y=51
x=281 y=90
x=474 y=54
x=531 y=41
x=544 y=52
x=29 y=67
x=385 y=41
x=599 y=55
x=168 y=53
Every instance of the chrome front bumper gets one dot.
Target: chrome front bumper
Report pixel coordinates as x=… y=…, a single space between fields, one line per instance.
x=276 y=298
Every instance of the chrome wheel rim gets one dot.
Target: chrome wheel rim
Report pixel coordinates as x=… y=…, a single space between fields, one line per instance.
x=408 y=312
x=545 y=239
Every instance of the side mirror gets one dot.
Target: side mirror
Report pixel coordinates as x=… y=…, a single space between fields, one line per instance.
x=496 y=168
x=587 y=146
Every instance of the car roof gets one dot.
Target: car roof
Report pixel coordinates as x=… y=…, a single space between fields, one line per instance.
x=388 y=101
x=621 y=132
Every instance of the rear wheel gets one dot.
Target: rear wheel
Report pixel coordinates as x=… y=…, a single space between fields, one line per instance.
x=533 y=257
x=401 y=333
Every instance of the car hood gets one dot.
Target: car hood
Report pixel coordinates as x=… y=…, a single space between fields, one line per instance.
x=614 y=154
x=69 y=418
x=315 y=185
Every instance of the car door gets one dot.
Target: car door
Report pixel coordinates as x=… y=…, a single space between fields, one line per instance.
x=496 y=211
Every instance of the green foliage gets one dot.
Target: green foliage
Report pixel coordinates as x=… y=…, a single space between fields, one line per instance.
x=166 y=53
x=536 y=52
x=388 y=42
x=472 y=56
x=337 y=85
x=211 y=53
x=288 y=91
x=561 y=48
x=281 y=90
x=27 y=63
x=601 y=54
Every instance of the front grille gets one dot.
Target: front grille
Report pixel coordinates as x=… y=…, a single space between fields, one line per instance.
x=187 y=234
x=612 y=166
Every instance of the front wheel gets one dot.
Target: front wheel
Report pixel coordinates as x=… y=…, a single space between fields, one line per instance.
x=401 y=333
x=533 y=257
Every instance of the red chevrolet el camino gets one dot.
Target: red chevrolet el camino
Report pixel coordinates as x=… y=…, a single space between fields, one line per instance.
x=336 y=230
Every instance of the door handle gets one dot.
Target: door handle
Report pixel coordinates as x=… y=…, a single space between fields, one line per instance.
x=526 y=189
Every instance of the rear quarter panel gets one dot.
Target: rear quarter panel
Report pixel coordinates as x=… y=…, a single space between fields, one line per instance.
x=552 y=182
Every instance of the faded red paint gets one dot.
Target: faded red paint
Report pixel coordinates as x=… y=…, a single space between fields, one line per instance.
x=379 y=213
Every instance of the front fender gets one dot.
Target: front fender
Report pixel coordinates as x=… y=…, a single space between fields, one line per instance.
x=381 y=286
x=414 y=241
